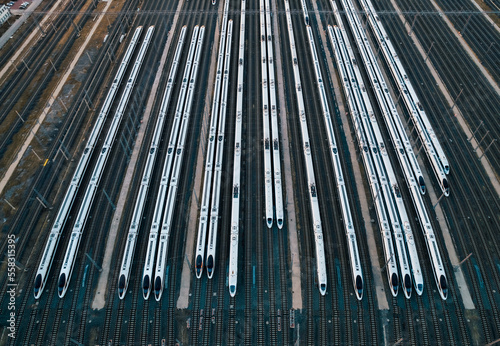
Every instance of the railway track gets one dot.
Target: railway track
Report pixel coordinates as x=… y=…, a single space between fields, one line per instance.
x=473 y=95
x=252 y=197
x=32 y=220
x=225 y=322
x=135 y=329
x=16 y=87
x=27 y=218
x=470 y=238
x=363 y=333
x=10 y=48
x=477 y=32
x=312 y=301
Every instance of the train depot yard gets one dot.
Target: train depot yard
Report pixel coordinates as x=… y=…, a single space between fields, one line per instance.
x=232 y=172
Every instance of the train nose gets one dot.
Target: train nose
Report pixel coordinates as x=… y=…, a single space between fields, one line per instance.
x=210 y=266
x=38 y=285
x=158 y=288
x=446 y=187
x=421 y=183
x=444 y=286
x=359 y=286
x=407 y=282
x=121 y=286
x=145 y=286
x=322 y=289
x=232 y=290
x=280 y=223
x=269 y=222
x=61 y=284
x=199 y=265
x=394 y=283
x=420 y=289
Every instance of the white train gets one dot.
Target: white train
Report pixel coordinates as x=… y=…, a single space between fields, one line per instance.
x=305 y=12
x=153 y=233
x=268 y=176
x=385 y=101
x=432 y=147
x=383 y=165
x=62 y=215
x=132 y=235
x=354 y=99
x=235 y=208
x=211 y=145
x=161 y=258
x=397 y=70
x=214 y=210
x=278 y=188
x=133 y=230
x=352 y=245
x=391 y=116
x=311 y=182
x=81 y=219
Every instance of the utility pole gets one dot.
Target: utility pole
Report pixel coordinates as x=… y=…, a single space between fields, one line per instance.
x=484 y=152
x=482 y=122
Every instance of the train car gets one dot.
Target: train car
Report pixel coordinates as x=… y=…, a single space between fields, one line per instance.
x=268 y=177
x=235 y=208
x=211 y=146
x=311 y=182
x=382 y=163
x=82 y=216
x=161 y=259
x=153 y=233
x=431 y=144
x=354 y=99
x=214 y=211
x=434 y=254
x=62 y=215
x=356 y=271
x=305 y=12
x=278 y=188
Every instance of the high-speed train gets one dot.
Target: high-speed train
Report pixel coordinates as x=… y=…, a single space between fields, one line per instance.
x=311 y=182
x=161 y=258
x=62 y=215
x=235 y=209
x=268 y=176
x=384 y=100
x=83 y=212
x=354 y=99
x=352 y=245
x=400 y=77
x=383 y=165
x=127 y=260
x=432 y=147
x=214 y=210
x=278 y=189
x=305 y=12
x=153 y=233
x=211 y=148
